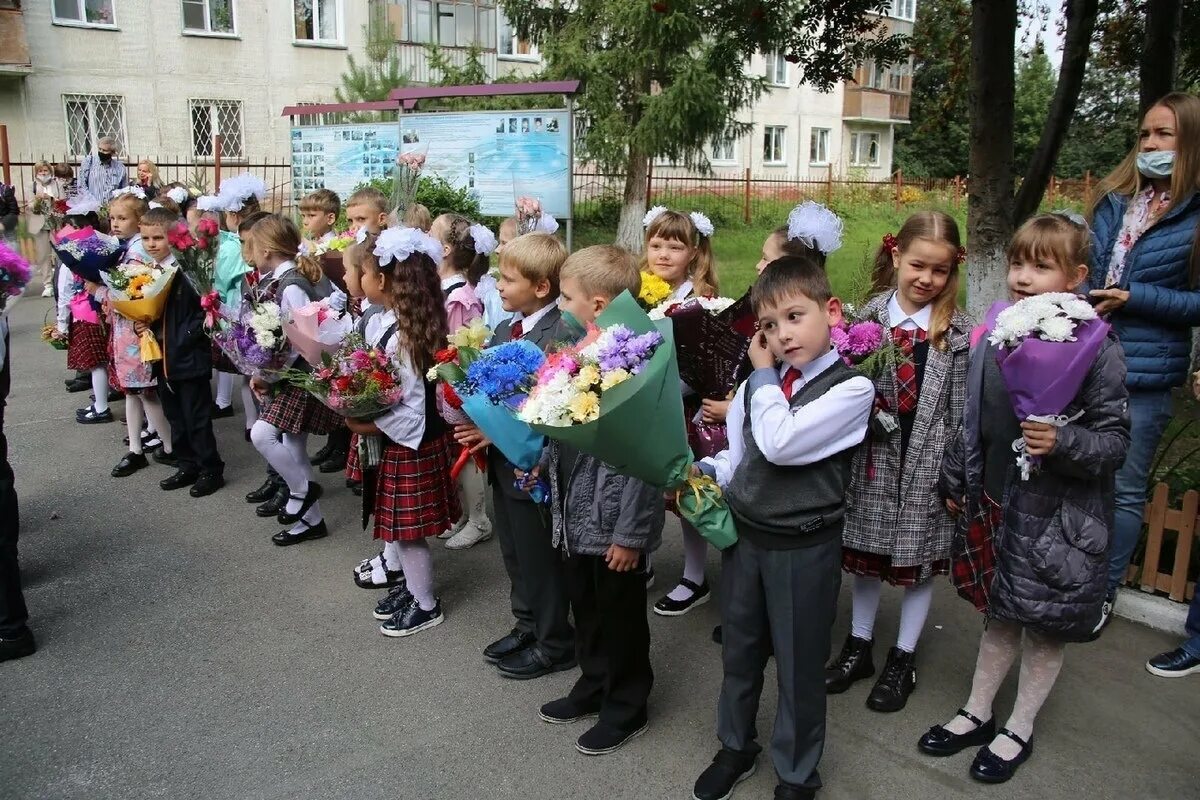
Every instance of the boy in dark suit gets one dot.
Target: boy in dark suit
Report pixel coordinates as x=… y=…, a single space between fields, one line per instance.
x=542 y=640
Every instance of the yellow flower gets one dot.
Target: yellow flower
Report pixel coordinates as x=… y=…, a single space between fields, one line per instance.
x=473 y=336
x=654 y=290
x=614 y=378
x=135 y=285
x=588 y=377
x=584 y=407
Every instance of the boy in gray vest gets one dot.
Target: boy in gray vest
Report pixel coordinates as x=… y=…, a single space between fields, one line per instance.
x=793 y=428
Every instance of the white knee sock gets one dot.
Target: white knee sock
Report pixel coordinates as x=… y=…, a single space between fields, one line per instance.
x=1041 y=662
x=133 y=422
x=158 y=419
x=472 y=486
x=865 y=606
x=224 y=389
x=695 y=553
x=997 y=651
x=100 y=390
x=418 y=569
x=914 y=610
x=248 y=406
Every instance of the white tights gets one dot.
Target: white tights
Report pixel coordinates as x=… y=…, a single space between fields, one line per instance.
x=418 y=571
x=472 y=488
x=248 y=405
x=288 y=454
x=148 y=402
x=224 y=389
x=914 y=610
x=100 y=389
x=695 y=553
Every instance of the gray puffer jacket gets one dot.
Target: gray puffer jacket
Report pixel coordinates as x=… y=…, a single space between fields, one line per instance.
x=1052 y=546
x=599 y=507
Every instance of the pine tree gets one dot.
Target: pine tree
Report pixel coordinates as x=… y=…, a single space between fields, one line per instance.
x=374 y=80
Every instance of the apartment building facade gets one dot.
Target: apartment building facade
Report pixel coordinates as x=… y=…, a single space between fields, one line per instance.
x=162 y=76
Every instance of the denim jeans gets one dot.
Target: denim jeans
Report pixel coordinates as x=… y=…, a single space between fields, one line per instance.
x=1192 y=645
x=1149 y=413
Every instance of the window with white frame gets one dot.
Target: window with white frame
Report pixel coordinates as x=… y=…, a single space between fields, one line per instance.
x=318 y=21
x=721 y=150
x=90 y=118
x=454 y=23
x=212 y=117
x=208 y=16
x=904 y=9
x=898 y=77
x=864 y=149
x=818 y=146
x=84 y=12
x=774 y=142
x=777 y=69
x=508 y=44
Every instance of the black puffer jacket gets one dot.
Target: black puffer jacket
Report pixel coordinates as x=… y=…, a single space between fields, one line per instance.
x=186 y=348
x=1052 y=548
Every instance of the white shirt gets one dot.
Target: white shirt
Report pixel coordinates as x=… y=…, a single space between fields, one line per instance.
x=833 y=422
x=405 y=423
x=908 y=322
x=530 y=322
x=681 y=292
x=292 y=296
x=493 y=306
x=452 y=281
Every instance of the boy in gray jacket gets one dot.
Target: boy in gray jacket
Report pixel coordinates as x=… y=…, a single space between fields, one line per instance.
x=606 y=524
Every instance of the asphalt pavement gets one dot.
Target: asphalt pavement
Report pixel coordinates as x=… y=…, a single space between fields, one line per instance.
x=182 y=655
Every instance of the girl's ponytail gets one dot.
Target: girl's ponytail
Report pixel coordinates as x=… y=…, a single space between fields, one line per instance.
x=478 y=268
x=309 y=267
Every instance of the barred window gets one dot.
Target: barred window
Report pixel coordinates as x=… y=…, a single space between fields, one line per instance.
x=91 y=117
x=212 y=117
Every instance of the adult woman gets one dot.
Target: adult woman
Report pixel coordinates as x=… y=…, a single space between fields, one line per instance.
x=46 y=189
x=1144 y=271
x=148 y=179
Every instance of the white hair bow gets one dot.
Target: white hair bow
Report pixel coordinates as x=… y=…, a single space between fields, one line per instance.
x=136 y=191
x=401 y=243
x=485 y=240
x=178 y=194
x=816 y=226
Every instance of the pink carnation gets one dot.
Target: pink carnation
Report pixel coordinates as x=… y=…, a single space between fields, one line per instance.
x=864 y=338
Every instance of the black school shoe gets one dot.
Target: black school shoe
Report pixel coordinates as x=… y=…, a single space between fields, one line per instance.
x=852 y=665
x=274 y=504
x=395 y=601
x=334 y=462
x=1177 y=663
x=163 y=457
x=78 y=384
x=130 y=464
x=206 y=484
x=413 y=619
x=895 y=684
x=322 y=454
x=938 y=741
x=310 y=498
x=727 y=770
x=18 y=646
x=991 y=768
x=513 y=642
x=602 y=738
x=786 y=791
x=263 y=493
x=90 y=416
x=285 y=538
x=666 y=607
x=567 y=710
x=532 y=663
x=218 y=412
x=180 y=479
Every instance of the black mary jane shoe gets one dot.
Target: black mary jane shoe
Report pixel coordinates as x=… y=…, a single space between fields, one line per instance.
x=264 y=492
x=130 y=464
x=666 y=607
x=318 y=531
x=991 y=768
x=306 y=502
x=363 y=581
x=274 y=504
x=938 y=741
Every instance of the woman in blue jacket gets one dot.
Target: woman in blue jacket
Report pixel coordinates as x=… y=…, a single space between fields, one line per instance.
x=1144 y=278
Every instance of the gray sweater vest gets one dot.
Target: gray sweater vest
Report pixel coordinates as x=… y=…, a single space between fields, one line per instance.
x=785 y=507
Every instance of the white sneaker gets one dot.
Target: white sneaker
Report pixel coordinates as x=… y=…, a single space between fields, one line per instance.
x=47 y=291
x=469 y=536
x=453 y=529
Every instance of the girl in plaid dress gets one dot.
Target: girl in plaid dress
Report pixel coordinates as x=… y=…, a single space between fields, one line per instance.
x=413 y=496
x=87 y=339
x=289 y=413
x=896 y=529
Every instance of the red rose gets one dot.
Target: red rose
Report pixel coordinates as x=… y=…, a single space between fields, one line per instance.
x=202 y=243
x=342 y=383
x=446 y=355
x=207 y=227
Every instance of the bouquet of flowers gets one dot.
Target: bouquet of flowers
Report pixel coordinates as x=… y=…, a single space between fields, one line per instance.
x=52 y=336
x=330 y=254
x=336 y=244
x=654 y=291
x=14 y=275
x=197 y=257
x=315 y=329
x=55 y=211
x=405 y=178
x=452 y=363
x=862 y=345
x=616 y=396
x=355 y=381
x=139 y=292
x=253 y=340
x=530 y=216
x=1046 y=345
x=87 y=252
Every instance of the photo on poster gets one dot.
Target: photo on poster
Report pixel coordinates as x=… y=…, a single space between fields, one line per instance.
x=308 y=147
x=411 y=137
x=295 y=146
x=537 y=124
x=552 y=126
x=524 y=124
x=512 y=124
x=297 y=134
x=500 y=126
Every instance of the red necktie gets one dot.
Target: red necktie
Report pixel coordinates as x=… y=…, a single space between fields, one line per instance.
x=907 y=390
x=517 y=330
x=789 y=380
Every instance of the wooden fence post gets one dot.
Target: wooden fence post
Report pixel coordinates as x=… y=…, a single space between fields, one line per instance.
x=1183 y=545
x=4 y=160
x=649 y=182
x=899 y=186
x=1053 y=187
x=1087 y=189
x=216 y=148
x=746 y=198
x=829 y=185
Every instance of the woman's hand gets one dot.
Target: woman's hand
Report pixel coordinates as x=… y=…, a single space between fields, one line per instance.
x=1039 y=438
x=622 y=559
x=528 y=479
x=954 y=506
x=260 y=387
x=1111 y=300
x=760 y=354
x=713 y=412
x=470 y=437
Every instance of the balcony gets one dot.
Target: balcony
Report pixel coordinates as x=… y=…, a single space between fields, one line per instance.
x=14 y=50
x=875 y=105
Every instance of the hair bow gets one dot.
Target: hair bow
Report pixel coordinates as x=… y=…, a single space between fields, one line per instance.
x=816 y=226
x=208 y=202
x=485 y=240
x=136 y=191
x=399 y=244
x=654 y=213
x=178 y=194
x=703 y=224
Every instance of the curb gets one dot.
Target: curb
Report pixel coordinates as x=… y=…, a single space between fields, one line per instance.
x=1155 y=612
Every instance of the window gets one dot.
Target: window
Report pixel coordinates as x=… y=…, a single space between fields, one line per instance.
x=91 y=117
x=318 y=21
x=212 y=117
x=84 y=12
x=773 y=144
x=904 y=9
x=873 y=75
x=722 y=150
x=818 y=146
x=508 y=43
x=208 y=16
x=864 y=149
x=898 y=77
x=777 y=69
x=450 y=24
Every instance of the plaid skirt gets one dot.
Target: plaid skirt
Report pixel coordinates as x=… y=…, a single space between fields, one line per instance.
x=877 y=565
x=414 y=496
x=87 y=346
x=294 y=410
x=973 y=556
x=353 y=470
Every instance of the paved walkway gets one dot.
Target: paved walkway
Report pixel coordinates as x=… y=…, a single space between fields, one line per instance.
x=183 y=656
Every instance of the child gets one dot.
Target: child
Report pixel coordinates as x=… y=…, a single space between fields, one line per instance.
x=414 y=498
x=464 y=261
x=367 y=210
x=78 y=313
x=681 y=254
x=239 y=201
x=485 y=288
x=890 y=533
x=606 y=524
x=793 y=430
x=812 y=231
x=182 y=376
x=134 y=376
x=542 y=640
x=290 y=413
x=318 y=214
x=417 y=216
x=1050 y=532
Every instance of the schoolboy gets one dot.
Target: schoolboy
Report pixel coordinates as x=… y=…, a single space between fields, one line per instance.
x=318 y=214
x=367 y=209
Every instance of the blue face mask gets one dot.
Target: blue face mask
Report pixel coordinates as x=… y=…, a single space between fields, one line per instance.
x=1156 y=164
x=573 y=329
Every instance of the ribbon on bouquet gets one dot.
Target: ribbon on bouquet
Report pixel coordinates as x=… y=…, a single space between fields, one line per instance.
x=1027 y=462
x=465 y=456
x=211 y=303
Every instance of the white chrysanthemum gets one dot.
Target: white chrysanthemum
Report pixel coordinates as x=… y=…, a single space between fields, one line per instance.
x=715 y=305
x=1078 y=308
x=82 y=204
x=654 y=213
x=136 y=191
x=703 y=224
x=1057 y=329
x=816 y=226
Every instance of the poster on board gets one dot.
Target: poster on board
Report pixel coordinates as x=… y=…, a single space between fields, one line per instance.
x=497 y=154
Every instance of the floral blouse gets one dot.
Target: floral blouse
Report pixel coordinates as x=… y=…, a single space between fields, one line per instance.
x=1141 y=213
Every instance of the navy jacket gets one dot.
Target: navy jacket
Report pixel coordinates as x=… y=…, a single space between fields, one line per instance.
x=1155 y=325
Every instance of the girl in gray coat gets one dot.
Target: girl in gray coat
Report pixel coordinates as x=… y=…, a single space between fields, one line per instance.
x=1049 y=534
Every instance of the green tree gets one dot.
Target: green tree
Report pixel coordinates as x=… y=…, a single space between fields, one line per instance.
x=372 y=81
x=663 y=79
x=935 y=144
x=471 y=72
x=1035 y=89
